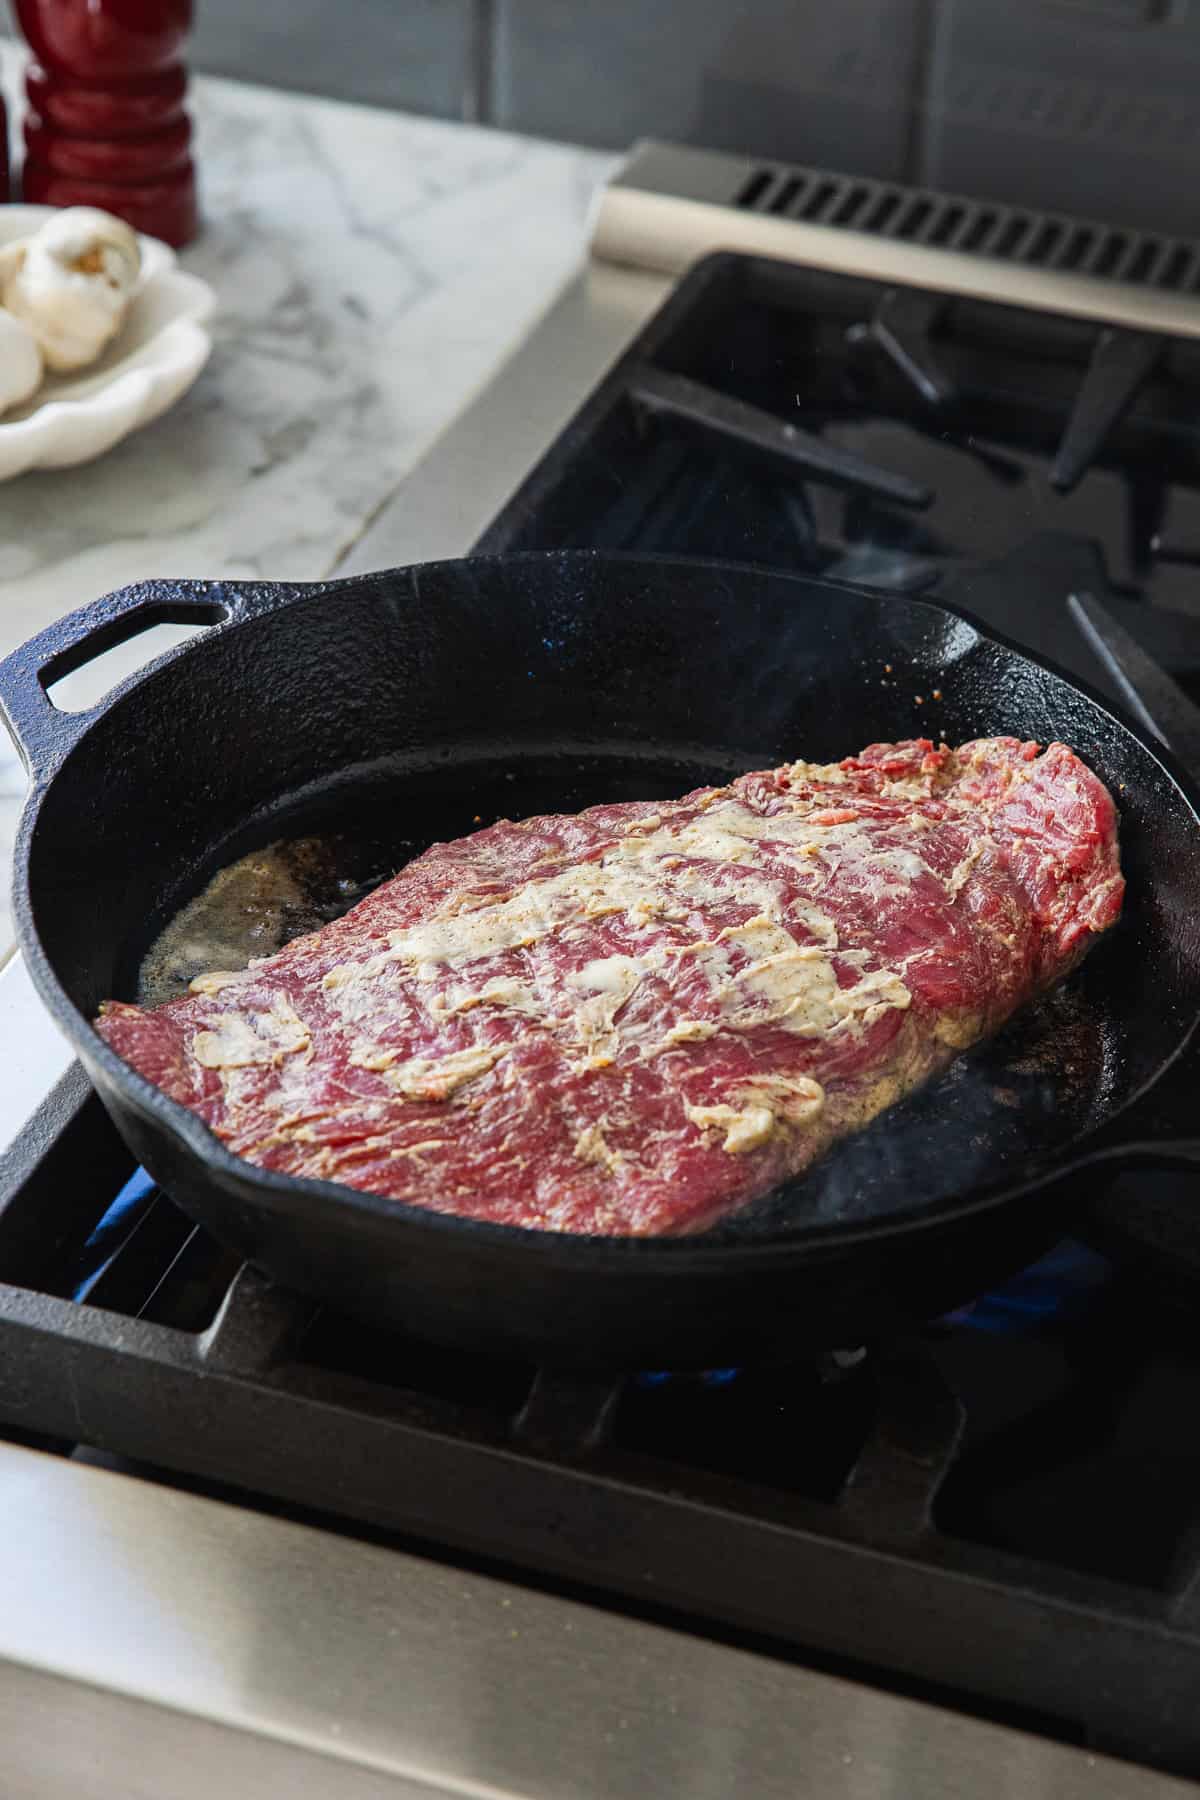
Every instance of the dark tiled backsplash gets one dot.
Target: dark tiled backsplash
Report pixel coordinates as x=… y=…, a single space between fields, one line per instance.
x=1084 y=106
x=1100 y=105
x=799 y=79
x=408 y=53
x=415 y=54
x=418 y=54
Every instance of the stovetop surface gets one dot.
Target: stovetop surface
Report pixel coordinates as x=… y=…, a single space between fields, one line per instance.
x=996 y=1511
x=976 y=411
x=1069 y=1377
x=1003 y=1506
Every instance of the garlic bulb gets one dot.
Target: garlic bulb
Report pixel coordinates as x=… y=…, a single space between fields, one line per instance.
x=20 y=362
x=72 y=282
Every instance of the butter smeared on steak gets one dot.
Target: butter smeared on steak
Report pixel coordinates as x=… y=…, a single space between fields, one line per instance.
x=636 y=1019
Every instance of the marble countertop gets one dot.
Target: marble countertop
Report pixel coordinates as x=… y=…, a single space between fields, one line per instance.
x=372 y=270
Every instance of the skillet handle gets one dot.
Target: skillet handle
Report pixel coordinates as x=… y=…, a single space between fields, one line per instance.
x=42 y=733
x=1174 y=1155
x=1156 y=1130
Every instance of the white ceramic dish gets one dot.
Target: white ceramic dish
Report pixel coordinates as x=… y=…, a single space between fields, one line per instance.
x=155 y=358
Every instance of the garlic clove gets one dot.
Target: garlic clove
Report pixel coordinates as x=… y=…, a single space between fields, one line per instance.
x=72 y=283
x=20 y=362
x=12 y=255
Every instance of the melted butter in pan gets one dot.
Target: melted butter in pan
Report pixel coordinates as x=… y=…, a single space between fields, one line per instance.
x=252 y=908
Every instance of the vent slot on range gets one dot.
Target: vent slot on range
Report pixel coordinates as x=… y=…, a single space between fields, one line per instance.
x=952 y=222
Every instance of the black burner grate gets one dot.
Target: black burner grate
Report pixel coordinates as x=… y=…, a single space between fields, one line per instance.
x=925 y=1508
x=896 y=438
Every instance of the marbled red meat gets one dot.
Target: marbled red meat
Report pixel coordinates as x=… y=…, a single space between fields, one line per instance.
x=637 y=1018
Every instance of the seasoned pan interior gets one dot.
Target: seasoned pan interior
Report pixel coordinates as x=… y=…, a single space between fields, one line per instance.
x=388 y=714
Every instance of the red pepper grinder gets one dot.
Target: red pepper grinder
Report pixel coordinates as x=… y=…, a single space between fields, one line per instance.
x=107 y=125
x=3 y=152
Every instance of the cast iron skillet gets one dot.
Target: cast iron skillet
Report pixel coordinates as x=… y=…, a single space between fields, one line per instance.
x=394 y=709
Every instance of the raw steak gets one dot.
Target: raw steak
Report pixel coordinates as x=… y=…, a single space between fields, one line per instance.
x=635 y=1019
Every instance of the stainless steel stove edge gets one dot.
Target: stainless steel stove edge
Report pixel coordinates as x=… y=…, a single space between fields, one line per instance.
x=33 y=1053
x=156 y=1643
x=669 y=204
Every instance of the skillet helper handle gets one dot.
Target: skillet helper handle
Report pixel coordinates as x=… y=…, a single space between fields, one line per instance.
x=43 y=734
x=1155 y=1132
x=1172 y=1155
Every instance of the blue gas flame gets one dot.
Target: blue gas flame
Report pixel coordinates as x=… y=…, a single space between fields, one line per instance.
x=113 y=1229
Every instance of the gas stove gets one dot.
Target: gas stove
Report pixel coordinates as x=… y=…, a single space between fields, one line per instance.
x=975 y=1542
